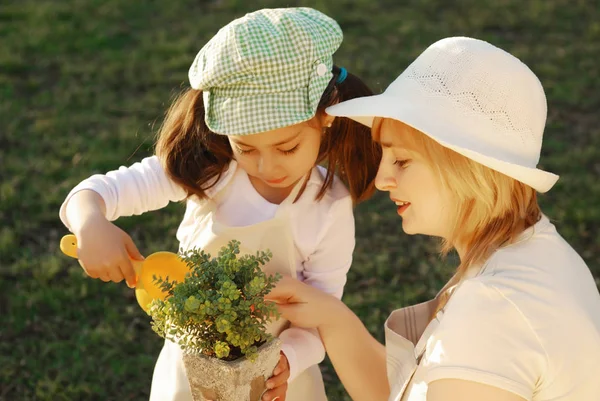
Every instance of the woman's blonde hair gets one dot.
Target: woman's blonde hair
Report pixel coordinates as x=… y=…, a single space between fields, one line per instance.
x=490 y=208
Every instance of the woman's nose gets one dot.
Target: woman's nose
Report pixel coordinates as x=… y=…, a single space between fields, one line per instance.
x=384 y=180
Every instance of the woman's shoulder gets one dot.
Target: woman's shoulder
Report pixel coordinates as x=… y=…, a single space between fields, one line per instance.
x=539 y=255
x=546 y=281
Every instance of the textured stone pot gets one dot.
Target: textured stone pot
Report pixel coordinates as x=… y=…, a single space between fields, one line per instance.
x=239 y=380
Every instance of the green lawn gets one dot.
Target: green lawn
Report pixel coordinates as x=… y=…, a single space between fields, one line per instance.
x=83 y=87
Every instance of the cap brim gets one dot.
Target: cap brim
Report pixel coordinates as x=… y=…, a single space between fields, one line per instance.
x=365 y=109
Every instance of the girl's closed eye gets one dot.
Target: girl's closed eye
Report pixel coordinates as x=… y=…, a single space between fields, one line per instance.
x=290 y=151
x=401 y=163
x=243 y=151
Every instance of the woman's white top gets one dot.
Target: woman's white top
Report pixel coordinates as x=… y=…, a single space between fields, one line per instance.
x=528 y=322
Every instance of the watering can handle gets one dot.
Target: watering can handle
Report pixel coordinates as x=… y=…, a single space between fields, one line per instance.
x=68 y=245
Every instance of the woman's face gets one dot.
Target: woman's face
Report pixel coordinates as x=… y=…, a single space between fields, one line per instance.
x=421 y=199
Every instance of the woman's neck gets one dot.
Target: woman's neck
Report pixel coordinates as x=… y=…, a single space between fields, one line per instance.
x=516 y=231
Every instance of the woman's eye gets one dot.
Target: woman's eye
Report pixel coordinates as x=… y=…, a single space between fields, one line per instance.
x=401 y=163
x=290 y=151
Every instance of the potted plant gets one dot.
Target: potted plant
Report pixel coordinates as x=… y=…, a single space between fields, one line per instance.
x=219 y=318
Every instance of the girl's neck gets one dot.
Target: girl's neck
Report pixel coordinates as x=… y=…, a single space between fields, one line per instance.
x=270 y=194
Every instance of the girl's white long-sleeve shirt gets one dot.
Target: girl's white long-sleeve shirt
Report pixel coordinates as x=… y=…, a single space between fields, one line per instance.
x=323 y=231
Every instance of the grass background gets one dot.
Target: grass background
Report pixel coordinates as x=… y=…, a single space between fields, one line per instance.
x=83 y=87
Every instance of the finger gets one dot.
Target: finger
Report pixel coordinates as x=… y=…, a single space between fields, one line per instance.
x=288 y=311
x=277 y=394
x=91 y=273
x=132 y=250
x=282 y=366
x=114 y=273
x=104 y=277
x=278 y=380
x=127 y=271
x=284 y=291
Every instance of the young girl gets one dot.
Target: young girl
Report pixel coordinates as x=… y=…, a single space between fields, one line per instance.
x=461 y=131
x=241 y=147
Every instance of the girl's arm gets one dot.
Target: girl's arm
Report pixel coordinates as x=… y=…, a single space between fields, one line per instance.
x=104 y=250
x=327 y=260
x=128 y=191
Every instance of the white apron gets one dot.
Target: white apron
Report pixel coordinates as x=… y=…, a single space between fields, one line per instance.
x=402 y=356
x=169 y=382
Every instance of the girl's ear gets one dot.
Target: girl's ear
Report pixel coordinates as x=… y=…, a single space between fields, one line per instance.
x=326 y=120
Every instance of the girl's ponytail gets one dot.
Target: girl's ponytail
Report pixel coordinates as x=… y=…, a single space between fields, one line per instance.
x=191 y=154
x=347 y=146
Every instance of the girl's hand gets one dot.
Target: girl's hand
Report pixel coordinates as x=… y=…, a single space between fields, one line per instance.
x=104 y=250
x=303 y=305
x=278 y=383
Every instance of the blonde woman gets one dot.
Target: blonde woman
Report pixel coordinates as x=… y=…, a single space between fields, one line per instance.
x=461 y=131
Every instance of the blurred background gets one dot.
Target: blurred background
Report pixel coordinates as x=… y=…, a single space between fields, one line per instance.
x=83 y=88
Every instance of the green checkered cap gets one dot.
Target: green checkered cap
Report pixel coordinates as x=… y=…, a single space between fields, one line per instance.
x=266 y=70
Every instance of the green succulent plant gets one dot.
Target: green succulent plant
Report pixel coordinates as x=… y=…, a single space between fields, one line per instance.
x=219 y=309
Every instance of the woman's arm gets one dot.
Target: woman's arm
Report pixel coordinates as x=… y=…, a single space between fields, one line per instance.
x=465 y=390
x=358 y=358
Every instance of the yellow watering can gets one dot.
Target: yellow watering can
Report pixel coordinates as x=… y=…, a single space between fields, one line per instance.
x=160 y=264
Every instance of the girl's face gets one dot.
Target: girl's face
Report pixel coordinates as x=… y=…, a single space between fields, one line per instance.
x=422 y=201
x=275 y=160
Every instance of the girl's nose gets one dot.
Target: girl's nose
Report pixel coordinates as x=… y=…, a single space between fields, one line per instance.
x=265 y=164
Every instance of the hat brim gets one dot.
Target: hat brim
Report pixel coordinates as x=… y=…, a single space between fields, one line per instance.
x=365 y=109
x=254 y=114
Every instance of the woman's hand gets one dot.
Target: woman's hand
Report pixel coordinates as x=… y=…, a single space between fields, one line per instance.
x=303 y=305
x=278 y=383
x=359 y=359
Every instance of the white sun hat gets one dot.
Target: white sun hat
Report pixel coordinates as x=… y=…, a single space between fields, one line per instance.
x=473 y=98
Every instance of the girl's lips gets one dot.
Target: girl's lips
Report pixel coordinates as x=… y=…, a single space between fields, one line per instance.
x=277 y=181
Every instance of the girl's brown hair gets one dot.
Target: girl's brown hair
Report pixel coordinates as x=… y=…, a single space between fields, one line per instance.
x=490 y=208
x=195 y=157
